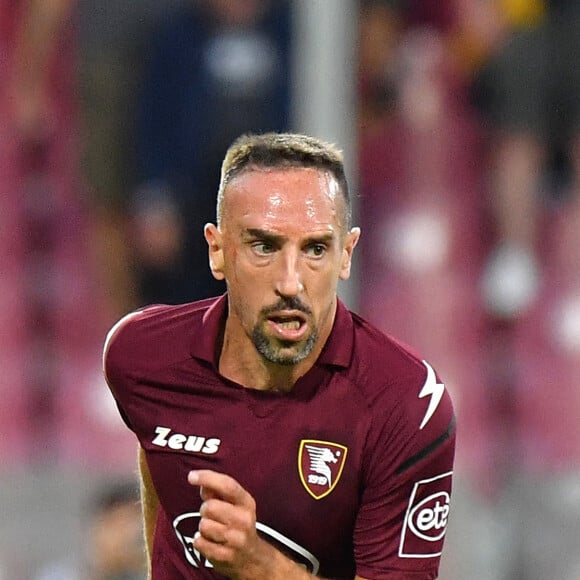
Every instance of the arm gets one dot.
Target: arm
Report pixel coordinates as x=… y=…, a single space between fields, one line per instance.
x=227 y=533
x=150 y=505
x=406 y=498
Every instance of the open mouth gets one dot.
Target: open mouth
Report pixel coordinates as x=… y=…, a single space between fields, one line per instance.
x=288 y=326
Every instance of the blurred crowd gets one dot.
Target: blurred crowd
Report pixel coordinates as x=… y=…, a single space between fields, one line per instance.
x=113 y=545
x=114 y=117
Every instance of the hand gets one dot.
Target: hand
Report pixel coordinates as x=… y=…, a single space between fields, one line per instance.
x=227 y=534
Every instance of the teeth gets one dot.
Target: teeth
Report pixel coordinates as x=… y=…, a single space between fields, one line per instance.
x=290 y=324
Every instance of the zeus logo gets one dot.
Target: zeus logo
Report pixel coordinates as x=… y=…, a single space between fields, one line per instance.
x=180 y=442
x=433 y=389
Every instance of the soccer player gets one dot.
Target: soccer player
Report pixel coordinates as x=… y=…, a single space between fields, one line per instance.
x=281 y=435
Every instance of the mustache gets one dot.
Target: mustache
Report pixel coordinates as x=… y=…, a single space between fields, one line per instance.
x=289 y=303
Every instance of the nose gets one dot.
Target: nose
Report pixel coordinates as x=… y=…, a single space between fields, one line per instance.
x=288 y=279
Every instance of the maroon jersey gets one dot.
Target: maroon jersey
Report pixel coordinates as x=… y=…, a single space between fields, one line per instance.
x=351 y=471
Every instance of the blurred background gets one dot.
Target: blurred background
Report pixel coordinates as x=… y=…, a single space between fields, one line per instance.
x=460 y=123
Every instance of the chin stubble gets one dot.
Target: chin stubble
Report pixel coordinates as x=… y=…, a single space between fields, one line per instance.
x=272 y=352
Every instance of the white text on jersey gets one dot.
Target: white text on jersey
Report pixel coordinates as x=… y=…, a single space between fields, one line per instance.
x=179 y=442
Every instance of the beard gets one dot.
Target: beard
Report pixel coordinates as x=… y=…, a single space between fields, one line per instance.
x=284 y=353
x=281 y=352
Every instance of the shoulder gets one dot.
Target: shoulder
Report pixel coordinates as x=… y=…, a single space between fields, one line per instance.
x=399 y=385
x=153 y=335
x=380 y=361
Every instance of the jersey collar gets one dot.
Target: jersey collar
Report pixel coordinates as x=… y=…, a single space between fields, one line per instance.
x=337 y=350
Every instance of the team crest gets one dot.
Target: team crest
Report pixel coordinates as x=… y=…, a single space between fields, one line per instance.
x=320 y=465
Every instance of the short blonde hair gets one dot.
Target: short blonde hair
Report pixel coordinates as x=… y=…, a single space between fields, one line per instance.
x=282 y=150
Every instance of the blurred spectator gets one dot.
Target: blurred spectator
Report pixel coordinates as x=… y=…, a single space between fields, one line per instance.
x=53 y=314
x=421 y=204
x=112 y=39
x=113 y=541
x=383 y=26
x=528 y=89
x=427 y=163
x=379 y=34
x=214 y=69
x=45 y=228
x=35 y=29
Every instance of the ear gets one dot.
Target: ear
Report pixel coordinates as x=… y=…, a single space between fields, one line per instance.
x=213 y=237
x=351 y=241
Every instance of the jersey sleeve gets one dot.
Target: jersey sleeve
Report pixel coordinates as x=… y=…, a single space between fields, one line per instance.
x=401 y=524
x=117 y=361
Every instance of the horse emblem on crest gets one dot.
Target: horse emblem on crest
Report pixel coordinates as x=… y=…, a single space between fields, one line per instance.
x=320 y=465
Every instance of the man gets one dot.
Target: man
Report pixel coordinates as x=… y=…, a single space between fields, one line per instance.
x=320 y=446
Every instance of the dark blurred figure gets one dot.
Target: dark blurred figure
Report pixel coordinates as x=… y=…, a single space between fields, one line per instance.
x=114 y=542
x=215 y=69
x=112 y=39
x=528 y=90
x=528 y=93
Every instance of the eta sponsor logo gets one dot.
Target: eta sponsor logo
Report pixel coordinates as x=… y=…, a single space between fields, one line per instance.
x=179 y=442
x=426 y=518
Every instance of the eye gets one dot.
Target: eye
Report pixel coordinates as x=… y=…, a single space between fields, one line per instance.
x=316 y=250
x=262 y=248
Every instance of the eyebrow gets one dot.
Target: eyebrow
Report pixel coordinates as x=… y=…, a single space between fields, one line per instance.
x=271 y=237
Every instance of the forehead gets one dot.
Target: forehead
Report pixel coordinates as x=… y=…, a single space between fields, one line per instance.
x=278 y=198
